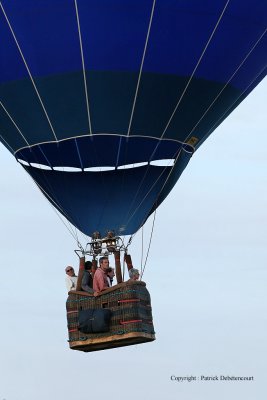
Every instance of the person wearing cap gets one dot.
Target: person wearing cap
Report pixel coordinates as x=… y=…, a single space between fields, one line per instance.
x=87 y=279
x=100 y=278
x=71 y=278
x=133 y=274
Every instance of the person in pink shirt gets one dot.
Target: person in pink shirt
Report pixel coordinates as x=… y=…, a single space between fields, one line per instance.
x=100 y=277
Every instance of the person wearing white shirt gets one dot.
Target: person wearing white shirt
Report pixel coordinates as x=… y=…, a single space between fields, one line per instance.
x=71 y=278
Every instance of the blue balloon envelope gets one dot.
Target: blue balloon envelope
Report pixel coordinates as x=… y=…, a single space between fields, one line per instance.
x=123 y=92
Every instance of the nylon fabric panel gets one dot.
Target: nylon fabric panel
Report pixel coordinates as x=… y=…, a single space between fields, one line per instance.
x=119 y=200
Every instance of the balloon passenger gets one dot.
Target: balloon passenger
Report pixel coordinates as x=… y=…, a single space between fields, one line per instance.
x=71 y=278
x=134 y=274
x=87 y=279
x=110 y=276
x=100 y=281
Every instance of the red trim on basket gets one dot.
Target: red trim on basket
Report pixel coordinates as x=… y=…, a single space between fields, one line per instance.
x=73 y=330
x=131 y=321
x=129 y=301
x=69 y=312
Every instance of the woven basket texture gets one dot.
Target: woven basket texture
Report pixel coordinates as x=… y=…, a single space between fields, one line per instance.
x=130 y=305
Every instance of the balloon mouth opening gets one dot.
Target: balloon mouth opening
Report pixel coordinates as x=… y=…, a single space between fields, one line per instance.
x=155 y=163
x=86 y=153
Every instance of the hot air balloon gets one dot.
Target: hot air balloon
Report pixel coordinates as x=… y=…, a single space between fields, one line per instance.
x=104 y=102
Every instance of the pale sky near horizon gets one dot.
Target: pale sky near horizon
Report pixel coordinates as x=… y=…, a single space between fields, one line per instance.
x=208 y=287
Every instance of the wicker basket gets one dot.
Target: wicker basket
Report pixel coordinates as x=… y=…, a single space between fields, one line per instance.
x=131 y=321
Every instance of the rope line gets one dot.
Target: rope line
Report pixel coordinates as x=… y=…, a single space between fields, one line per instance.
x=70 y=228
x=102 y=177
x=28 y=70
x=130 y=240
x=14 y=123
x=152 y=229
x=136 y=209
x=12 y=150
x=141 y=67
x=142 y=247
x=196 y=67
x=64 y=182
x=43 y=153
x=143 y=179
x=149 y=245
x=79 y=154
x=96 y=135
x=83 y=66
x=230 y=107
x=155 y=209
x=227 y=83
